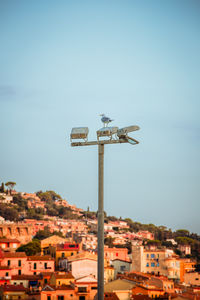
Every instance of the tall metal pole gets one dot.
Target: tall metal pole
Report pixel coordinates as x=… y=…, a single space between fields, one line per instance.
x=122 y=138
x=101 y=224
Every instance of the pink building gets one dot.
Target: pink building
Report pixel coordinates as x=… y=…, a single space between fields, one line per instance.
x=186 y=249
x=146 y=235
x=13 y=263
x=9 y=244
x=39 y=264
x=116 y=253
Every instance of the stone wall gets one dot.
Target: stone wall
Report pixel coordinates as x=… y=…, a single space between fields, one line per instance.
x=23 y=233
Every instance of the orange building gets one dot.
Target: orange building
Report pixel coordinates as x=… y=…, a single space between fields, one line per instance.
x=9 y=244
x=63 y=251
x=151 y=291
x=116 y=253
x=186 y=266
x=61 y=278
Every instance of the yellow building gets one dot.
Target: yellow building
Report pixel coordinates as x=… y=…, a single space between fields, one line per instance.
x=12 y=292
x=62 y=251
x=51 y=241
x=109 y=274
x=61 y=278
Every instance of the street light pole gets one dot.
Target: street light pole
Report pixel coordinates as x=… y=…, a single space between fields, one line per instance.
x=101 y=223
x=82 y=133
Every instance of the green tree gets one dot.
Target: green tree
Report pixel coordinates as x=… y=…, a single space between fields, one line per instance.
x=153 y=243
x=2 y=189
x=10 y=185
x=8 y=213
x=49 y=196
x=34 y=213
x=109 y=241
x=43 y=234
x=22 y=203
x=31 y=248
x=181 y=232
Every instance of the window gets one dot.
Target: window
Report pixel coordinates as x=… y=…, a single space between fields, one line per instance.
x=147 y=255
x=158 y=264
x=147 y=265
x=152 y=255
x=35 y=266
x=122 y=268
x=152 y=264
x=45 y=265
x=63 y=254
x=94 y=288
x=58 y=282
x=8 y=262
x=7 y=274
x=34 y=273
x=19 y=263
x=19 y=272
x=72 y=253
x=82 y=289
x=60 y=297
x=48 y=297
x=45 y=280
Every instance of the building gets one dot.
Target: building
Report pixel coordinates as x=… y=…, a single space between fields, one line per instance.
x=122 y=288
x=19 y=231
x=120 y=266
x=10 y=292
x=83 y=264
x=62 y=251
x=51 y=241
x=116 y=253
x=9 y=244
x=61 y=278
x=13 y=263
x=157 y=261
x=38 y=264
x=186 y=249
x=192 y=278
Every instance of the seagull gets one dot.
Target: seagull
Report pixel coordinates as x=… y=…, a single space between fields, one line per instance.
x=105 y=120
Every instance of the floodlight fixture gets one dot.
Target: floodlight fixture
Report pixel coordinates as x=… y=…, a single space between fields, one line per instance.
x=122 y=132
x=107 y=131
x=79 y=133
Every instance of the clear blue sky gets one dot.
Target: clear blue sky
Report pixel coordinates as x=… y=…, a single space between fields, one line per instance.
x=62 y=63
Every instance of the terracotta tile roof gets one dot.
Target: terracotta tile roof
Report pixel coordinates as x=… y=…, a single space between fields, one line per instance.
x=81 y=256
x=65 y=287
x=14 y=254
x=46 y=274
x=124 y=260
x=118 y=285
x=39 y=258
x=141 y=297
x=48 y=287
x=26 y=277
x=110 y=296
x=13 y=288
x=64 y=276
x=9 y=241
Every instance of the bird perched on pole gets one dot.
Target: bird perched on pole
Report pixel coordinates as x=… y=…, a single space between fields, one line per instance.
x=105 y=120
